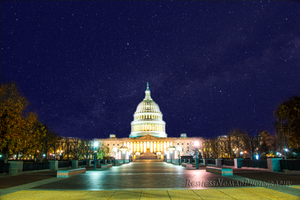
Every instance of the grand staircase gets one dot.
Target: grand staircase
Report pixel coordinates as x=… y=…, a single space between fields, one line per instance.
x=148 y=156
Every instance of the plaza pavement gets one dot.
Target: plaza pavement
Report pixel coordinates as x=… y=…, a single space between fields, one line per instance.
x=148 y=180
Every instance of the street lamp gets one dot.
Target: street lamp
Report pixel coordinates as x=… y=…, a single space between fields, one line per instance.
x=123 y=149
x=179 y=149
x=171 y=149
x=196 y=146
x=115 y=151
x=95 y=157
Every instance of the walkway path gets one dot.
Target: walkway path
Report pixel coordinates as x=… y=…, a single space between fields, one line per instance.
x=143 y=180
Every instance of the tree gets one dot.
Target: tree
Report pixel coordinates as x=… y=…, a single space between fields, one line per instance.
x=266 y=144
x=254 y=144
x=102 y=151
x=238 y=143
x=287 y=124
x=15 y=124
x=35 y=140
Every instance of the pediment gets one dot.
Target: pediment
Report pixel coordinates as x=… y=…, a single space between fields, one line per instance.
x=147 y=137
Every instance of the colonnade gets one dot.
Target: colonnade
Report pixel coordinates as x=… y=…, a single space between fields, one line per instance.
x=148 y=127
x=148 y=116
x=149 y=146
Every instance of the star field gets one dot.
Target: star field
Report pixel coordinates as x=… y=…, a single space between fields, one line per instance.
x=212 y=66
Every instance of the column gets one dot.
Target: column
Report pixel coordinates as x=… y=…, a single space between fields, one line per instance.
x=238 y=162
x=53 y=164
x=151 y=147
x=15 y=167
x=74 y=164
x=134 y=146
x=274 y=164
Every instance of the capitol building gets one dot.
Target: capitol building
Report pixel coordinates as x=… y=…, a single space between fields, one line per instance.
x=148 y=135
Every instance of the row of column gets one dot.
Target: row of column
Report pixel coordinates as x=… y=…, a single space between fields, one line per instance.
x=148 y=127
x=148 y=116
x=152 y=146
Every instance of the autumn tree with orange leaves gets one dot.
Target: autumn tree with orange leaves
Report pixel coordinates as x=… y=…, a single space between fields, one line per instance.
x=16 y=126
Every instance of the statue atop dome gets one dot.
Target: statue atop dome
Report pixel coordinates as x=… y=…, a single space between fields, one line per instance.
x=147 y=93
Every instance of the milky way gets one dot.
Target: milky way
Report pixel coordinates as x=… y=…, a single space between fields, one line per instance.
x=212 y=66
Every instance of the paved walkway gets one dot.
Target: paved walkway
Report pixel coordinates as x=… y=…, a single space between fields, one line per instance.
x=146 y=180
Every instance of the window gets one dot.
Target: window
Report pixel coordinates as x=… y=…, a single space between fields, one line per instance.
x=177 y=143
x=182 y=149
x=107 y=144
x=182 y=143
x=187 y=143
x=118 y=144
x=113 y=144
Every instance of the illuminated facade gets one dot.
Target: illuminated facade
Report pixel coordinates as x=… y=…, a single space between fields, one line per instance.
x=148 y=134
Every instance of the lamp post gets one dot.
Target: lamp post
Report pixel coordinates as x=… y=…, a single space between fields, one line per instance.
x=171 y=149
x=196 y=146
x=95 y=157
x=115 y=151
x=123 y=149
x=179 y=149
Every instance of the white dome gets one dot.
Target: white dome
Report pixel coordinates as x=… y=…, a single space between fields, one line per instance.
x=147 y=106
x=147 y=119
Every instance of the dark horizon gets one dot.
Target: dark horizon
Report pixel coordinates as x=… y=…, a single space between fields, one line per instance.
x=212 y=66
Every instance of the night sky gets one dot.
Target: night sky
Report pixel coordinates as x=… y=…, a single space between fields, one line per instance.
x=211 y=66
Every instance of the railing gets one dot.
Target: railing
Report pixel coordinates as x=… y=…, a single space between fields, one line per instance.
x=103 y=161
x=81 y=162
x=255 y=163
x=64 y=163
x=211 y=161
x=35 y=166
x=4 y=167
x=228 y=162
x=290 y=165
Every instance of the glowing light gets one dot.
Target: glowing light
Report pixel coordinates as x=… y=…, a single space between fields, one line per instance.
x=96 y=144
x=196 y=143
x=257 y=157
